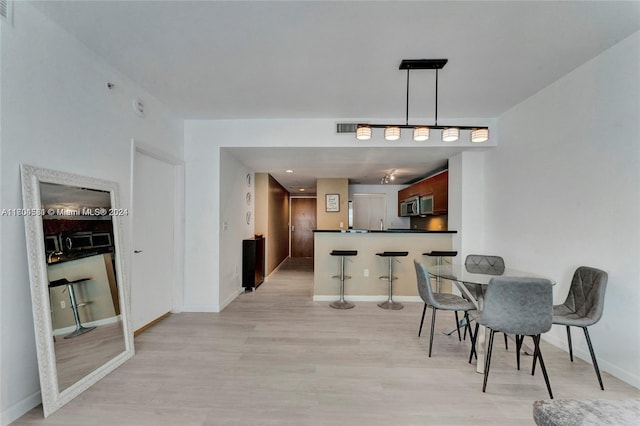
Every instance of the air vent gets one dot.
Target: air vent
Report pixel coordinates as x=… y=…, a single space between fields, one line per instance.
x=6 y=10
x=346 y=127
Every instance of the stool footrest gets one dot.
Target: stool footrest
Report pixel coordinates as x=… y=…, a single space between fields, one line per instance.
x=346 y=277
x=386 y=278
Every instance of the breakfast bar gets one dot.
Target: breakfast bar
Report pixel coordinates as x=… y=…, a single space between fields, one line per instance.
x=367 y=267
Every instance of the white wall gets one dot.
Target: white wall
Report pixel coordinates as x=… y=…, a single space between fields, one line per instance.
x=563 y=190
x=391 y=191
x=57 y=114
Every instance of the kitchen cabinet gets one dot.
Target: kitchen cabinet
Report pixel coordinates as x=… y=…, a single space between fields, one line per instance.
x=436 y=185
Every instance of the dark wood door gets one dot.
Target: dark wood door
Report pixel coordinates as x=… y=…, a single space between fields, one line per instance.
x=303 y=222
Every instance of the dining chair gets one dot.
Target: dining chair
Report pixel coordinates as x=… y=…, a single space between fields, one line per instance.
x=583 y=307
x=443 y=301
x=485 y=264
x=520 y=306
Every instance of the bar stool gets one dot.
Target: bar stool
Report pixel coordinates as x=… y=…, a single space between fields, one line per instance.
x=390 y=304
x=439 y=254
x=80 y=329
x=342 y=304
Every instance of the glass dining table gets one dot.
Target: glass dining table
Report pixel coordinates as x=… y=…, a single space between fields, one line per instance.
x=472 y=281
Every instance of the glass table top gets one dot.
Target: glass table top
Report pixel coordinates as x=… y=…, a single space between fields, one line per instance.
x=474 y=274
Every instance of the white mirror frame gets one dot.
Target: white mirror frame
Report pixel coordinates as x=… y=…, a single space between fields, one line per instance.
x=52 y=398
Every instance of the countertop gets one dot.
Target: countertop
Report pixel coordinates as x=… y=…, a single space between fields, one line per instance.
x=386 y=231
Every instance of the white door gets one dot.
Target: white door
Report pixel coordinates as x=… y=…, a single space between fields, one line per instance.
x=153 y=234
x=369 y=211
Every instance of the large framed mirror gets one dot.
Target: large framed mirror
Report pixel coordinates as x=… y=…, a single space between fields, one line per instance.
x=78 y=286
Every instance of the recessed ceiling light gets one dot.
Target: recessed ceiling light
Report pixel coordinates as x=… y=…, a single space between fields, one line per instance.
x=301 y=190
x=288 y=171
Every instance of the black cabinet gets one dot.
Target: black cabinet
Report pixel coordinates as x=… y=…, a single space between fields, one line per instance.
x=252 y=262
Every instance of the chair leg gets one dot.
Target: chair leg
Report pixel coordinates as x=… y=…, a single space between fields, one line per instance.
x=467 y=326
x=593 y=357
x=422 y=320
x=569 y=342
x=506 y=345
x=518 y=347
x=487 y=361
x=473 y=337
x=433 y=324
x=458 y=326
x=535 y=358
x=538 y=354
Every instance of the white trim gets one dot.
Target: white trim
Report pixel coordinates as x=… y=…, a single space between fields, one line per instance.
x=366 y=298
x=200 y=308
x=605 y=366
x=96 y=323
x=230 y=299
x=179 y=215
x=17 y=410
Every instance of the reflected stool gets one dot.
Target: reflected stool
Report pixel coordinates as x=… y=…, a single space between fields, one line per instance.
x=342 y=304
x=391 y=255
x=80 y=329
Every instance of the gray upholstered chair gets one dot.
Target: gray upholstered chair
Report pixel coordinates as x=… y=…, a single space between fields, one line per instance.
x=583 y=306
x=485 y=264
x=520 y=306
x=443 y=301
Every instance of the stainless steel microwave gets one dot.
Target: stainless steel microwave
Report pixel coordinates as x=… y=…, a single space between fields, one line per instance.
x=410 y=206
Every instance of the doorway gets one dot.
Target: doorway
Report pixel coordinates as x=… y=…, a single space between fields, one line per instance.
x=303 y=222
x=156 y=200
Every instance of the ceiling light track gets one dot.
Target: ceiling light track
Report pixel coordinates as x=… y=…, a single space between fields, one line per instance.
x=450 y=133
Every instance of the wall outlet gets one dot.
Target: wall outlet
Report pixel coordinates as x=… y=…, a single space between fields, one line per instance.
x=62 y=304
x=341 y=224
x=366 y=272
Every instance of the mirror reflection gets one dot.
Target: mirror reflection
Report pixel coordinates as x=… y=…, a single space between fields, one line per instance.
x=81 y=272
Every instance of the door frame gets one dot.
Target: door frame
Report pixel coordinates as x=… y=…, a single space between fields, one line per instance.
x=290 y=208
x=138 y=147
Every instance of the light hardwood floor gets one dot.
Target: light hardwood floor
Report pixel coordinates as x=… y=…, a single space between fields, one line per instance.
x=275 y=357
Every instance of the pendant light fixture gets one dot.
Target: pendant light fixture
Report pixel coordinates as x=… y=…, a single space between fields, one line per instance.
x=421 y=131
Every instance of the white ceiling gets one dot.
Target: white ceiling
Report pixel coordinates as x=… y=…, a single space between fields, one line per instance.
x=322 y=59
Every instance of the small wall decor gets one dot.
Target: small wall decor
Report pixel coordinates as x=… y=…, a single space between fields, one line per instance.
x=332 y=203
x=248 y=179
x=248 y=198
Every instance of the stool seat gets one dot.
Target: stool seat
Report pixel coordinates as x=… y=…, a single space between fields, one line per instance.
x=441 y=253
x=393 y=253
x=344 y=253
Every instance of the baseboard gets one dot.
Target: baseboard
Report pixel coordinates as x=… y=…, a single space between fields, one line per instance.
x=584 y=355
x=201 y=308
x=215 y=307
x=230 y=299
x=366 y=298
x=97 y=323
x=20 y=408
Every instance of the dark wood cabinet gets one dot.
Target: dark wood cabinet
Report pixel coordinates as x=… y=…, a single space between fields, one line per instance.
x=436 y=185
x=253 y=263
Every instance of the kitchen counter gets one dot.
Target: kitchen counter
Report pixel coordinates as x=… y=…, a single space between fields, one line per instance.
x=366 y=267
x=381 y=231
